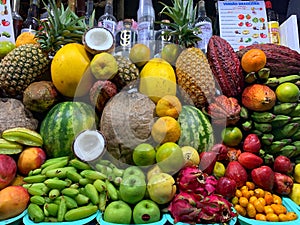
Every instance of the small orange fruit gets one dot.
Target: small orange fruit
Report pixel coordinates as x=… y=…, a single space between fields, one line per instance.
x=253 y=60
x=169 y=105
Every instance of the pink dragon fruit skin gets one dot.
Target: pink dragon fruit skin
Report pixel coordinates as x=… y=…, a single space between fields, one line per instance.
x=214 y=208
x=190 y=178
x=183 y=207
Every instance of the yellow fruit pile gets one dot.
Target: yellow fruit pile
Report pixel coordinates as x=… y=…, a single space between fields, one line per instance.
x=256 y=203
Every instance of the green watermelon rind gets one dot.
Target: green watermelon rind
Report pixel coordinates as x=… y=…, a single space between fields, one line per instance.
x=61 y=125
x=196 y=129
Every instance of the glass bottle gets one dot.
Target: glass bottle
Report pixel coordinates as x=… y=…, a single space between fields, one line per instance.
x=108 y=20
x=145 y=19
x=125 y=38
x=161 y=38
x=273 y=24
x=89 y=11
x=31 y=23
x=17 y=18
x=205 y=25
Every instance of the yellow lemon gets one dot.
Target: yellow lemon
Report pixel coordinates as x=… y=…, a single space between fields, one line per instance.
x=139 y=54
x=165 y=129
x=219 y=169
x=190 y=155
x=157 y=79
x=168 y=105
x=70 y=64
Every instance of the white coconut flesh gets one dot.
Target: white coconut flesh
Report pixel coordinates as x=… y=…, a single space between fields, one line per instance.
x=99 y=39
x=89 y=145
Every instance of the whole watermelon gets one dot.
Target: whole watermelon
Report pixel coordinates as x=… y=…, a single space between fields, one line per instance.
x=196 y=129
x=61 y=125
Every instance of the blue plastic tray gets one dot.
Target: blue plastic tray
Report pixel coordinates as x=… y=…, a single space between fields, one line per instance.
x=171 y=220
x=14 y=219
x=28 y=221
x=102 y=222
x=290 y=206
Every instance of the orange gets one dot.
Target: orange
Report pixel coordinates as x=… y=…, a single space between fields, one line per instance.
x=168 y=105
x=253 y=60
x=26 y=38
x=165 y=129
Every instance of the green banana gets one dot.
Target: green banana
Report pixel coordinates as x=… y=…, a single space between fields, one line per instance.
x=62 y=209
x=267 y=139
x=296 y=135
x=36 y=171
x=274 y=81
x=85 y=181
x=296 y=144
x=250 y=77
x=38 y=191
x=54 y=193
x=286 y=131
x=102 y=201
x=71 y=192
x=118 y=172
x=295 y=111
x=60 y=164
x=112 y=192
x=59 y=172
x=275 y=147
x=257 y=132
x=92 y=193
x=80 y=212
x=23 y=136
x=35 y=178
x=93 y=175
x=51 y=208
x=82 y=199
x=70 y=202
x=51 y=161
x=288 y=151
x=100 y=185
x=244 y=113
x=262 y=117
x=280 y=120
x=56 y=183
x=263 y=74
x=263 y=127
x=73 y=176
x=296 y=119
x=79 y=164
x=36 y=185
x=36 y=199
x=284 y=108
x=35 y=213
x=9 y=147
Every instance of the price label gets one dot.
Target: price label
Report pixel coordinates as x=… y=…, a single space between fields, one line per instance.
x=6 y=26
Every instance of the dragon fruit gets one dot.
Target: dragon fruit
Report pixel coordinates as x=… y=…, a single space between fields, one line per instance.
x=192 y=179
x=214 y=208
x=183 y=207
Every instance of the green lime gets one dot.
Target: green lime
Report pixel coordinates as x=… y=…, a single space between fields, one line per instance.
x=144 y=155
x=170 y=53
x=232 y=136
x=287 y=92
x=6 y=47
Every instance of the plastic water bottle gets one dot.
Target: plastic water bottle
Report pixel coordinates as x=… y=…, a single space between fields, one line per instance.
x=145 y=19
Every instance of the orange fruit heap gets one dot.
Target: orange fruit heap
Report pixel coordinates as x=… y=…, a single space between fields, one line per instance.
x=253 y=60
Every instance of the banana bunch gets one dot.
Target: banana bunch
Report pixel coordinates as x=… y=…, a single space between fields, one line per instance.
x=278 y=129
x=273 y=82
x=13 y=140
x=69 y=190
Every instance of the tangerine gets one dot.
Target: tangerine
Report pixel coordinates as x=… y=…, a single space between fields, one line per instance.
x=168 y=105
x=253 y=60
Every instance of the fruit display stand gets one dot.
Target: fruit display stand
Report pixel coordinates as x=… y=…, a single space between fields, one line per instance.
x=15 y=220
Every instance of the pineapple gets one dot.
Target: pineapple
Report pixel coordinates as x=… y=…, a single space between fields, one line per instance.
x=21 y=67
x=62 y=27
x=194 y=76
x=127 y=73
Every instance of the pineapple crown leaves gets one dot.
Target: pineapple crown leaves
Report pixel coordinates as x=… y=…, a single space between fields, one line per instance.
x=184 y=18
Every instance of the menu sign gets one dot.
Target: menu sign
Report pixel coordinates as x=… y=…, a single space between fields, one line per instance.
x=6 y=23
x=243 y=23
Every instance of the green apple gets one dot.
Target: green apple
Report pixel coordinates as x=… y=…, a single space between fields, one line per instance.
x=232 y=136
x=104 y=66
x=132 y=189
x=118 y=212
x=169 y=157
x=134 y=170
x=144 y=155
x=146 y=211
x=296 y=174
x=161 y=188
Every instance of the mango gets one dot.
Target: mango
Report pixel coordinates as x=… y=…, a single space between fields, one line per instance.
x=14 y=200
x=295 y=193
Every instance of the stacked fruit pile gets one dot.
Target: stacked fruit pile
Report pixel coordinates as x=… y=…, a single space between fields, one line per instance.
x=188 y=134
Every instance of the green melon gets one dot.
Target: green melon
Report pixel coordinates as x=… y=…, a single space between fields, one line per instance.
x=196 y=129
x=62 y=123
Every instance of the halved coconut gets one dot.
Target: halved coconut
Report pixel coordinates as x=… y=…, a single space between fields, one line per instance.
x=89 y=145
x=98 y=39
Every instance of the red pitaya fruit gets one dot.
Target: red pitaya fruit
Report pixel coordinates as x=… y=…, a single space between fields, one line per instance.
x=183 y=207
x=190 y=178
x=214 y=208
